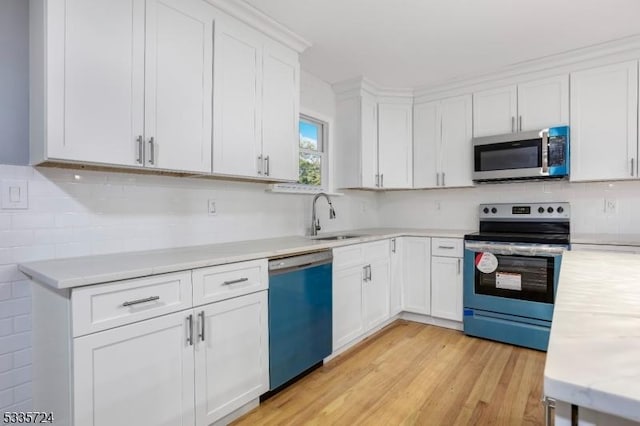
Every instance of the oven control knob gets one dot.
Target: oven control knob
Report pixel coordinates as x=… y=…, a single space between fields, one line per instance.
x=540 y=209
x=486 y=210
x=560 y=209
x=494 y=210
x=550 y=209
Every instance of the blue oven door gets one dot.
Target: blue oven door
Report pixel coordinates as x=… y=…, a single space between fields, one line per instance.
x=509 y=291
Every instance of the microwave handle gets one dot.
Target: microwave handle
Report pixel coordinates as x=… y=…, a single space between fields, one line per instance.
x=545 y=152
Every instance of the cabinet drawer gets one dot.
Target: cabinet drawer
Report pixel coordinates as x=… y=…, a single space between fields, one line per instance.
x=232 y=280
x=447 y=247
x=99 y=307
x=346 y=257
x=376 y=250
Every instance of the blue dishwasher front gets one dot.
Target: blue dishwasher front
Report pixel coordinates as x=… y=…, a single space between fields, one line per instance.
x=300 y=312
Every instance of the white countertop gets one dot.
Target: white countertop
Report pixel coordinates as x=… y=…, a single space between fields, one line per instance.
x=593 y=359
x=606 y=239
x=80 y=271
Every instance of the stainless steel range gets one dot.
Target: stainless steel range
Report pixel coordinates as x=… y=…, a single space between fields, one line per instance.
x=511 y=270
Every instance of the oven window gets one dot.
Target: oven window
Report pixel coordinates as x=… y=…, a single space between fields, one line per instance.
x=510 y=155
x=519 y=277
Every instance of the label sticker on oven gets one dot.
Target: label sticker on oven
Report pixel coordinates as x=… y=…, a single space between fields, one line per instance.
x=486 y=262
x=509 y=281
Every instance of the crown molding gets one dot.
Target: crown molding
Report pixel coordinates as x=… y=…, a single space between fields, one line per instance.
x=623 y=48
x=261 y=22
x=355 y=86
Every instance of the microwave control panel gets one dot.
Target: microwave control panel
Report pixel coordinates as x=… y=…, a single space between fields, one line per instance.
x=557 y=150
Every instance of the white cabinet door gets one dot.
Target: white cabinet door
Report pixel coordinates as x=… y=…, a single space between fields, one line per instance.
x=237 y=140
x=604 y=122
x=347 y=305
x=543 y=103
x=369 y=141
x=138 y=374
x=395 y=290
x=456 y=150
x=96 y=80
x=375 y=293
x=426 y=144
x=280 y=112
x=179 y=78
x=395 y=145
x=446 y=288
x=416 y=294
x=232 y=356
x=494 y=111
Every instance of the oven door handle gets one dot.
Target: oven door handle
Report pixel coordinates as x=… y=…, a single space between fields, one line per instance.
x=517 y=249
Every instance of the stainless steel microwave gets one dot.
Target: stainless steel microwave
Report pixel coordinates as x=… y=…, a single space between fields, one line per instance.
x=535 y=154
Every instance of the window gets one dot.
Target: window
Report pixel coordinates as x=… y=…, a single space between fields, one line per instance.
x=312 y=163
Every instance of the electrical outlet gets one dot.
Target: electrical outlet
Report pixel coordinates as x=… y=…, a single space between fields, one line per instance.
x=212 y=208
x=15 y=194
x=610 y=206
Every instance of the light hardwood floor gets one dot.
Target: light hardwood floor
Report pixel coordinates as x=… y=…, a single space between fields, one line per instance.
x=415 y=374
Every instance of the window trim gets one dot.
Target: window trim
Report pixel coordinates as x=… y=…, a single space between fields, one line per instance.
x=322 y=151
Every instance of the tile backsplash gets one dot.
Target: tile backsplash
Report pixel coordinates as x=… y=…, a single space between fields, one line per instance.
x=78 y=213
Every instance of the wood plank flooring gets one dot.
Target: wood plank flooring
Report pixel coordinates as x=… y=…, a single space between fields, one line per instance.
x=415 y=374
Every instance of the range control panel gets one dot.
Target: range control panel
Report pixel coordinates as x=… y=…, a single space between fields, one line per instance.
x=520 y=211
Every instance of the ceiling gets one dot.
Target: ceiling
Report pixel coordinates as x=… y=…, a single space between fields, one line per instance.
x=416 y=43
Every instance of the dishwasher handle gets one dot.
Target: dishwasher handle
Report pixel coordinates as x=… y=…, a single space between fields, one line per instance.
x=300 y=262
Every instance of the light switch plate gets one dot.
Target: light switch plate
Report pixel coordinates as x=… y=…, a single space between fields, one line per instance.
x=15 y=194
x=212 y=208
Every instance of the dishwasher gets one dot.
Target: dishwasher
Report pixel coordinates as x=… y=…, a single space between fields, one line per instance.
x=300 y=315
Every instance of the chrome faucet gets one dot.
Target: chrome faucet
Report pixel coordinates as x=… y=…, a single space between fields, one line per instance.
x=315 y=222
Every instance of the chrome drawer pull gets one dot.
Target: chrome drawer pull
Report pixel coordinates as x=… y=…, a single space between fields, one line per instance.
x=135 y=302
x=201 y=335
x=446 y=247
x=240 y=280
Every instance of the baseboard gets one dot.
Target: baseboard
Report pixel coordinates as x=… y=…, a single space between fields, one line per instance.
x=238 y=413
x=426 y=319
x=360 y=338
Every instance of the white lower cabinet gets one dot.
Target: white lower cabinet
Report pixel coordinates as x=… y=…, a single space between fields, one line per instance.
x=446 y=288
x=416 y=285
x=395 y=285
x=361 y=281
x=446 y=278
x=231 y=355
x=139 y=374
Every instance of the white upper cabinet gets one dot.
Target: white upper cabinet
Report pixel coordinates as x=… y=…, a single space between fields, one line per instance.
x=374 y=139
x=543 y=103
x=128 y=83
x=426 y=144
x=527 y=106
x=237 y=140
x=604 y=122
x=442 y=143
x=256 y=105
x=179 y=55
x=495 y=111
x=280 y=112
x=395 y=152
x=94 y=81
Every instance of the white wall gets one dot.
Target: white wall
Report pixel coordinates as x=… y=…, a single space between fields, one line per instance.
x=76 y=213
x=14 y=82
x=458 y=208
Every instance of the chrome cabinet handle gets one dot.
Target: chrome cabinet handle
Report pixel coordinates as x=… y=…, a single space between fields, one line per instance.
x=260 y=165
x=393 y=245
x=443 y=184
x=138 y=301
x=370 y=276
x=458 y=266
x=513 y=124
x=364 y=274
x=152 y=151
x=446 y=247
x=140 y=143
x=549 y=404
x=201 y=334
x=545 y=152
x=520 y=123
x=437 y=179
x=377 y=179
x=267 y=165
x=632 y=168
x=190 y=330
x=382 y=180
x=239 y=280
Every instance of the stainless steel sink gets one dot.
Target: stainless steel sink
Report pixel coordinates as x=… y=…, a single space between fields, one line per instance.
x=337 y=237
